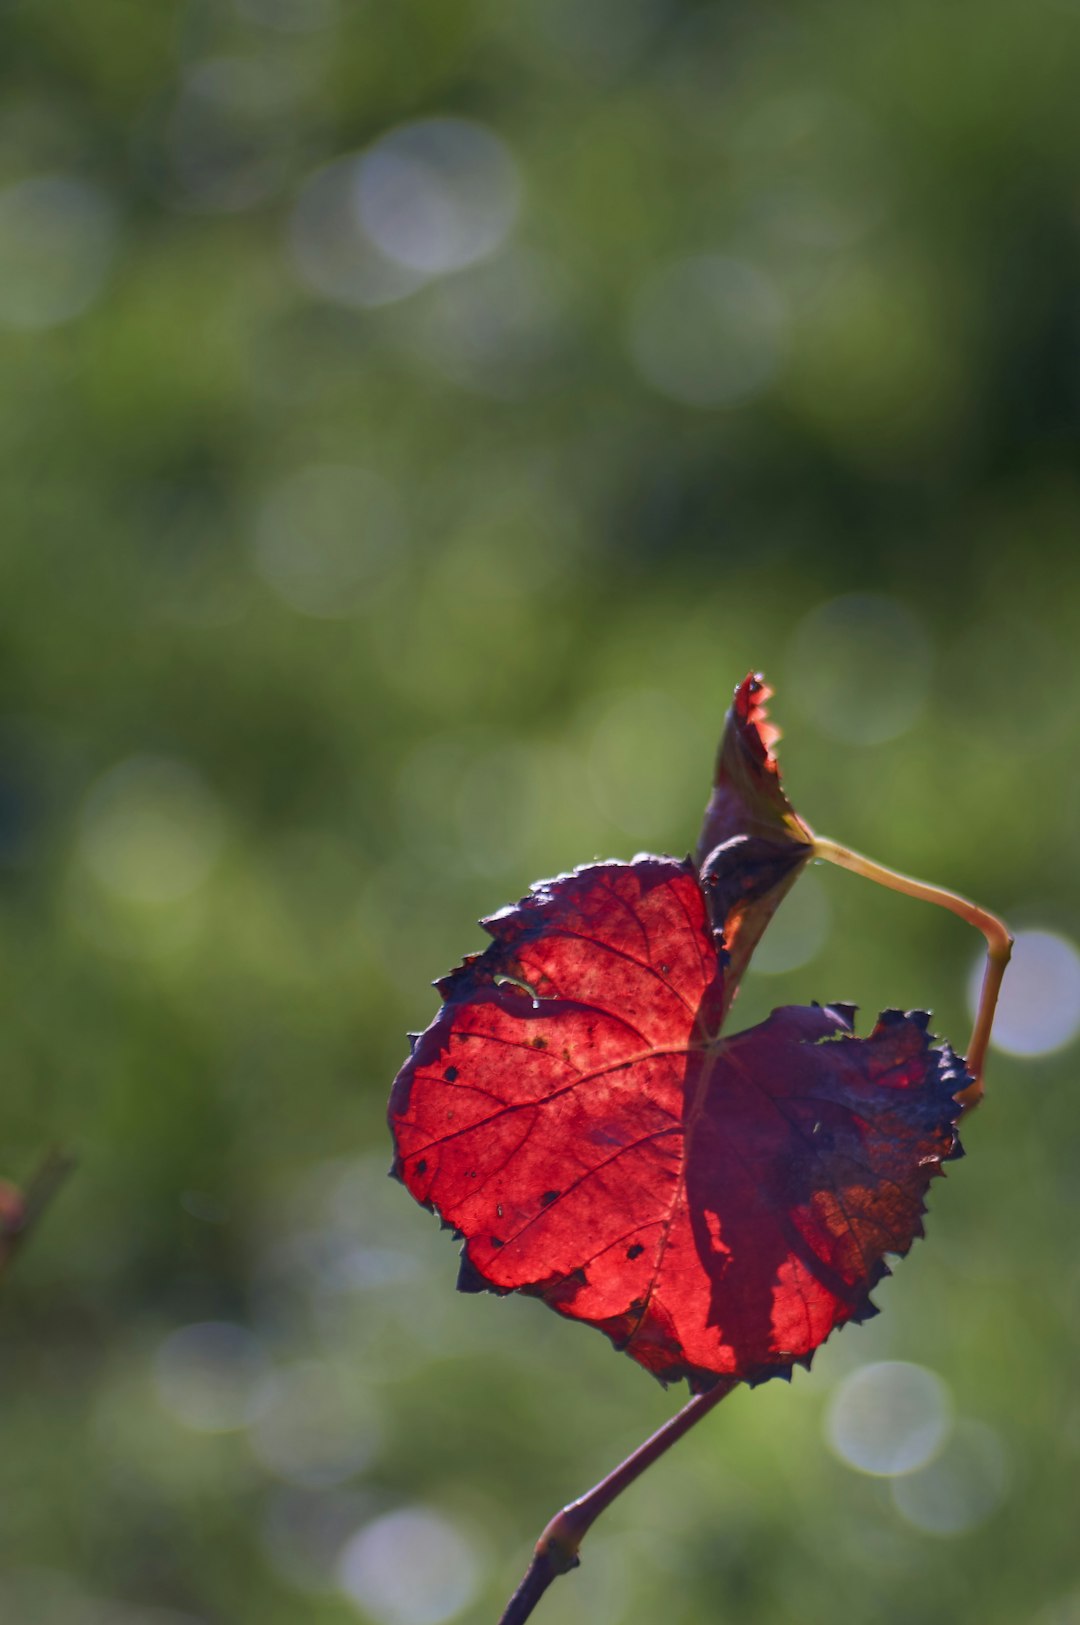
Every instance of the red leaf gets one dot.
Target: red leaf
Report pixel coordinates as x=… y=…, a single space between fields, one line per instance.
x=715 y=1205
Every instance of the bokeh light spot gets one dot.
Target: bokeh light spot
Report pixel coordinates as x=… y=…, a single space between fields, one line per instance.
x=304 y=1531
x=412 y=1567
x=309 y=1434
x=707 y=331
x=326 y=536
x=438 y=195
x=212 y=1376
x=859 y=667
x=57 y=241
x=329 y=249
x=151 y=830
x=888 y=1418
x=499 y=329
x=961 y=1488
x=1039 y=1006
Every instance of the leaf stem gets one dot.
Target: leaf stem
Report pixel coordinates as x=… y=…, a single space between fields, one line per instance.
x=998 y=943
x=557 y=1549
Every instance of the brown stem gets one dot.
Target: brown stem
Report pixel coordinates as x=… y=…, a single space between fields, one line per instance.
x=557 y=1549
x=998 y=943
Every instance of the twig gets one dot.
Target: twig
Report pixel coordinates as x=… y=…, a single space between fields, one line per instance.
x=998 y=943
x=557 y=1549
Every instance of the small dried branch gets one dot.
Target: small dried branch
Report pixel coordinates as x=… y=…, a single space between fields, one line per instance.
x=558 y=1547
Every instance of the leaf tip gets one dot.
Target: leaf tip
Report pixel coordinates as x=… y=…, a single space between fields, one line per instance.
x=469 y=1278
x=750 y=707
x=865 y=1312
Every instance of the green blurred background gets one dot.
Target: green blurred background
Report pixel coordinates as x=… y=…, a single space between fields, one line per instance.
x=414 y=419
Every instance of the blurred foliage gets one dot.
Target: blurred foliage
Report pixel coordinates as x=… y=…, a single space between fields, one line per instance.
x=413 y=421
